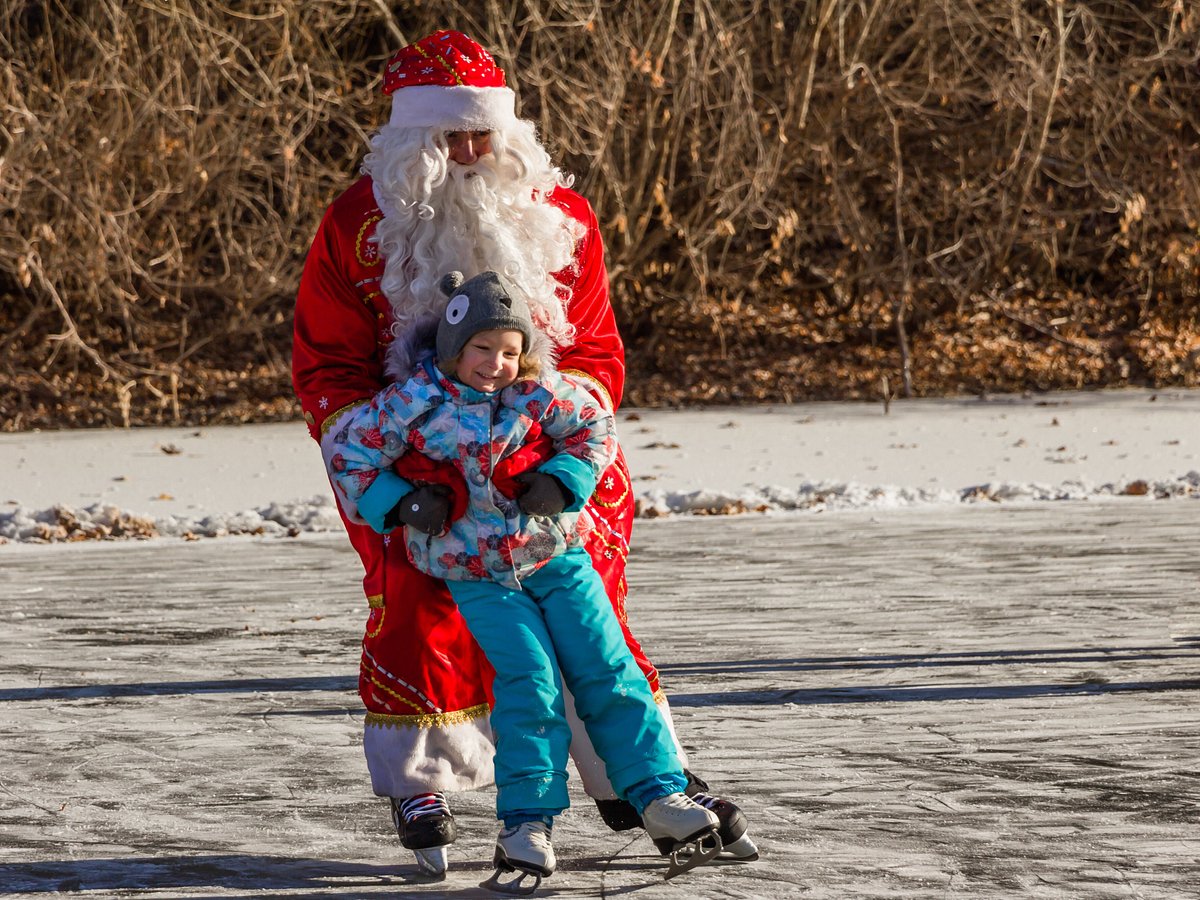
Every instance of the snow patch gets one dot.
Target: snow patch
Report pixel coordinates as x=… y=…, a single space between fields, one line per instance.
x=107 y=522
x=833 y=496
x=319 y=514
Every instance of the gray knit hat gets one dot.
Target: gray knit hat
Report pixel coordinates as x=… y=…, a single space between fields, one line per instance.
x=480 y=304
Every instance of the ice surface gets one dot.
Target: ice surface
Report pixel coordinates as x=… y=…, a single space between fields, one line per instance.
x=986 y=701
x=955 y=654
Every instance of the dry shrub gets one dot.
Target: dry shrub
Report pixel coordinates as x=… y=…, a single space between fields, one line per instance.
x=799 y=198
x=962 y=184
x=162 y=162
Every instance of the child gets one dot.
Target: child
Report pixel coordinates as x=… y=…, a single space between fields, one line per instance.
x=517 y=569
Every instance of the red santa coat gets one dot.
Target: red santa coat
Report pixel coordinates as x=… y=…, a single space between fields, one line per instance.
x=423 y=680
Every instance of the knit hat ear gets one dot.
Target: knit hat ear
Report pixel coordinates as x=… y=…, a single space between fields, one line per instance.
x=448 y=81
x=482 y=303
x=450 y=282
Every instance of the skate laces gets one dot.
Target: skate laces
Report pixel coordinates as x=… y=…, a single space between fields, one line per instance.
x=678 y=800
x=537 y=833
x=424 y=805
x=706 y=800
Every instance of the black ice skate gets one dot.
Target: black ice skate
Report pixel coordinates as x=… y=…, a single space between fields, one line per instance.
x=683 y=830
x=426 y=827
x=619 y=815
x=735 y=841
x=526 y=850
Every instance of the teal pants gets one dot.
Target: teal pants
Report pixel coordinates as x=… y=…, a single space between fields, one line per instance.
x=562 y=628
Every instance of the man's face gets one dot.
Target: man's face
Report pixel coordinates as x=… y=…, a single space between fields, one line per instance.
x=467 y=146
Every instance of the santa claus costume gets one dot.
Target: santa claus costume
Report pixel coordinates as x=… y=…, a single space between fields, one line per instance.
x=368 y=301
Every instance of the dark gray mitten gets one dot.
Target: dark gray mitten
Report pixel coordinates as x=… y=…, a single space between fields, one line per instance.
x=544 y=494
x=426 y=509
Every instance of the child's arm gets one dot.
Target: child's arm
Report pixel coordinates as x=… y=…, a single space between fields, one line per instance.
x=584 y=436
x=366 y=445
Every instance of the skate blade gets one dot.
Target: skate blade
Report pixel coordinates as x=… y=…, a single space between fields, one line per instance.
x=432 y=861
x=694 y=853
x=743 y=850
x=515 y=887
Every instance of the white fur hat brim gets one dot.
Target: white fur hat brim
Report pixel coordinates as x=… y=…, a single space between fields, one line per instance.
x=453 y=108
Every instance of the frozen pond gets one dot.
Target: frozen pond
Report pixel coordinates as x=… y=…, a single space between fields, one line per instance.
x=984 y=701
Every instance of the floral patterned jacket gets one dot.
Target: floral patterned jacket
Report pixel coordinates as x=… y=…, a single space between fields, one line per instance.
x=444 y=419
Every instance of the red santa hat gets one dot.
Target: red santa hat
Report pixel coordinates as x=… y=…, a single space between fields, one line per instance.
x=448 y=81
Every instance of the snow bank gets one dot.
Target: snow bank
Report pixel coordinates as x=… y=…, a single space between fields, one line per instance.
x=107 y=522
x=832 y=496
x=181 y=483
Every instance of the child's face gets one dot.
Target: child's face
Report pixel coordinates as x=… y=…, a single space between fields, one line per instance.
x=489 y=360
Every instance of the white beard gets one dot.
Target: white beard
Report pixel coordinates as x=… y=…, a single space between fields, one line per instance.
x=491 y=216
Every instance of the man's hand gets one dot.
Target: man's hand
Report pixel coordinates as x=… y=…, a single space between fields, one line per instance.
x=544 y=494
x=426 y=509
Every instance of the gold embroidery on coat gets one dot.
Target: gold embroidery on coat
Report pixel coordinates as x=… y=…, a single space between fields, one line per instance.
x=428 y=720
x=619 y=549
x=374 y=632
x=611 y=504
x=365 y=252
x=331 y=419
x=387 y=690
x=622 y=596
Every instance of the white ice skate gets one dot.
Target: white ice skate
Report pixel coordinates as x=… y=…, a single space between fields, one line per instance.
x=426 y=826
x=683 y=830
x=526 y=850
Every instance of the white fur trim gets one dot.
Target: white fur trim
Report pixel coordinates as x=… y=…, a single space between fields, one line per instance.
x=410 y=346
x=591 y=768
x=454 y=108
x=410 y=759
